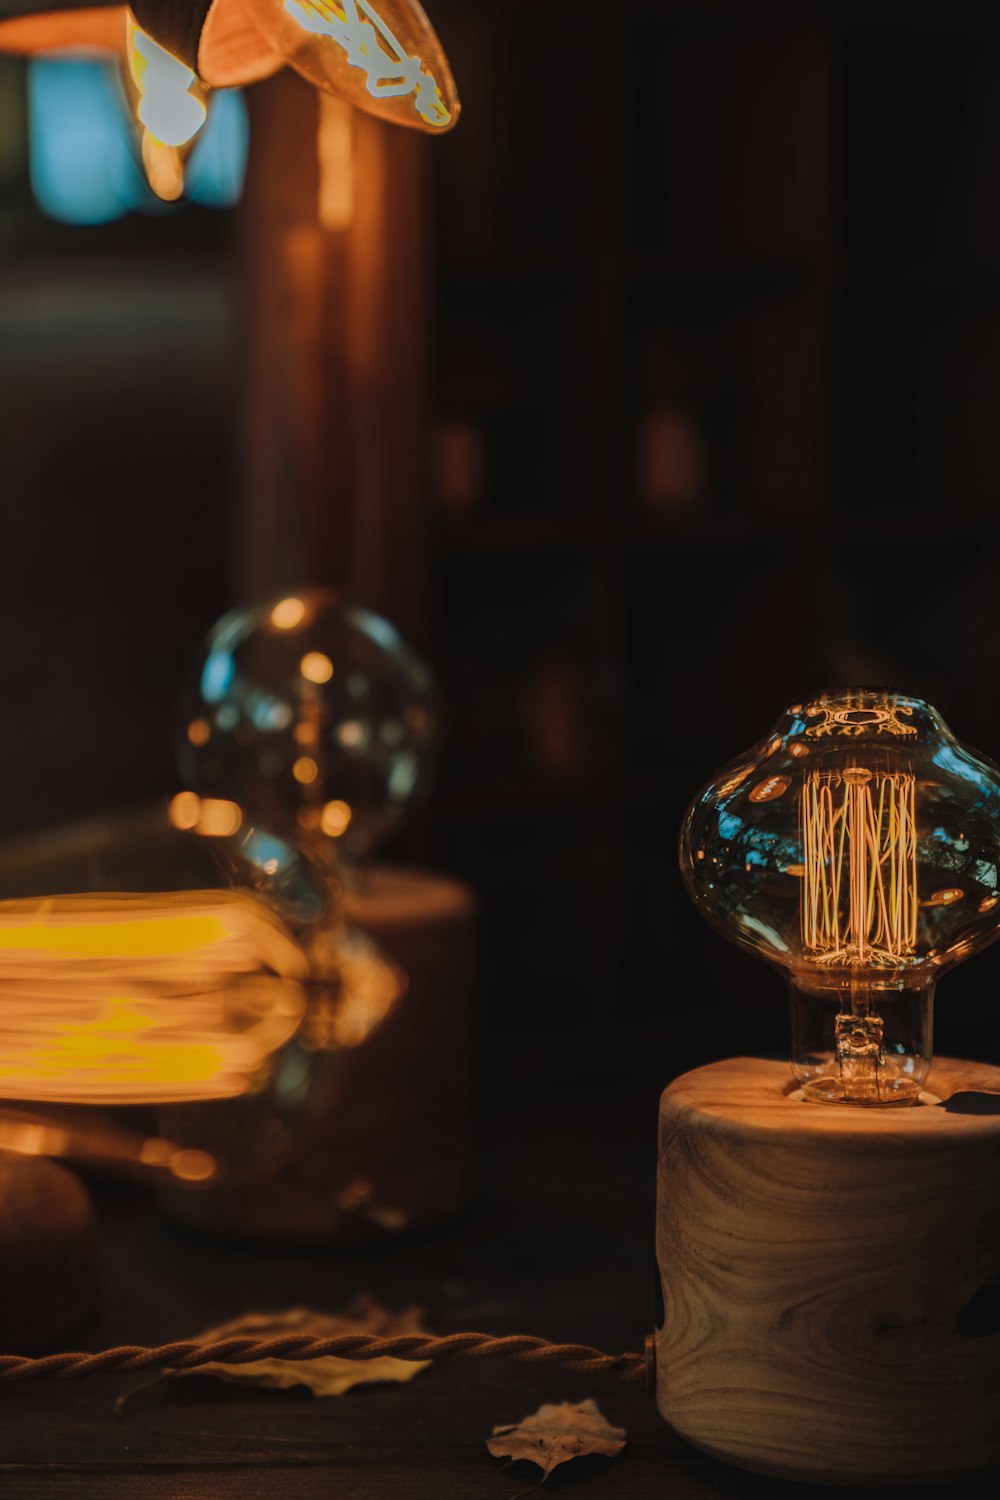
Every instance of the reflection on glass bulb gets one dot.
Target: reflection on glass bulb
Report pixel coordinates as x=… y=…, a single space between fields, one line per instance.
x=381 y=56
x=170 y=105
x=368 y=44
x=313 y=713
x=858 y=848
x=167 y=106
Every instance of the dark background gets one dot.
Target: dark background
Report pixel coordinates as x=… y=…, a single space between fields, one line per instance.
x=770 y=231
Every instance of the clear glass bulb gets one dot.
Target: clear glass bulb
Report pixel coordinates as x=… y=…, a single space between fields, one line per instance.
x=859 y=849
x=315 y=714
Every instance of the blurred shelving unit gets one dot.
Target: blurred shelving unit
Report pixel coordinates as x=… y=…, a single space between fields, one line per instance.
x=715 y=290
x=118 y=497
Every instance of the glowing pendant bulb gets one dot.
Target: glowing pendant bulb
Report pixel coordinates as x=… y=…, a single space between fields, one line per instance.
x=381 y=55
x=859 y=849
x=170 y=105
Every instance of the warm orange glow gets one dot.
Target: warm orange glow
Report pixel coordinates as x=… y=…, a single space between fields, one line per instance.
x=288 y=614
x=86 y=1141
x=219 y=819
x=164 y=168
x=335 y=819
x=379 y=55
x=944 y=898
x=335 y=146
x=351 y=734
x=859 y=841
x=212 y=817
x=31 y=1138
x=309 y=818
x=146 y=998
x=305 y=770
x=97 y=939
x=184 y=810
x=192 y=1166
x=367 y=990
x=770 y=788
x=199 y=732
x=316 y=667
x=98 y=29
x=304 y=732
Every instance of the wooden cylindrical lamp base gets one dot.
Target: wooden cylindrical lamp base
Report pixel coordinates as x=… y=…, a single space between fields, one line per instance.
x=828 y=1313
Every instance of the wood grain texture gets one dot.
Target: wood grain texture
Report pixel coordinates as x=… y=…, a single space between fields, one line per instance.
x=814 y=1260
x=558 y=1244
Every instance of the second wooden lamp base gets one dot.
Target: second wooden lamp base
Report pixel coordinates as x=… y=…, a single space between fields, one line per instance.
x=826 y=1269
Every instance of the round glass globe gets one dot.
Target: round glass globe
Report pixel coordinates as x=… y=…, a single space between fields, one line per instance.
x=313 y=712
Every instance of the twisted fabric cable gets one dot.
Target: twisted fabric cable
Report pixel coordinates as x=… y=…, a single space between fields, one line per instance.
x=241 y=1351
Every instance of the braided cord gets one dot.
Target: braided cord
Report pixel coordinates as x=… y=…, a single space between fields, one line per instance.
x=414 y=1346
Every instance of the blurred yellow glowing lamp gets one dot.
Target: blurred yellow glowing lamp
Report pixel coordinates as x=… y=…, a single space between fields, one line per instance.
x=381 y=55
x=154 y=984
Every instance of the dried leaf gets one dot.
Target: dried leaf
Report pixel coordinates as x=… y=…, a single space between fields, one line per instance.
x=554 y=1434
x=328 y=1376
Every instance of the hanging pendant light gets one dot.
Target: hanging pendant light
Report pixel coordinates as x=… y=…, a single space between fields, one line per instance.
x=170 y=105
x=167 y=102
x=381 y=55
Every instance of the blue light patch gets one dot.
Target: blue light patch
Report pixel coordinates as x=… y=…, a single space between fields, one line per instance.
x=216 y=676
x=218 y=162
x=380 y=630
x=754 y=924
x=82 y=161
x=263 y=849
x=403 y=776
x=950 y=759
x=84 y=149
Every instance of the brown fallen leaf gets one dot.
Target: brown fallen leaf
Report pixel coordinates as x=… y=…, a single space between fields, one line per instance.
x=329 y=1376
x=554 y=1434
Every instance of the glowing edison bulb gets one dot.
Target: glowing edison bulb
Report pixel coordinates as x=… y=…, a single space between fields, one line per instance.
x=858 y=848
x=381 y=55
x=170 y=105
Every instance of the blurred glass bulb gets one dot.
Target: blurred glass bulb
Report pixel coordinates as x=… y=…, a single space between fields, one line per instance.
x=314 y=713
x=858 y=848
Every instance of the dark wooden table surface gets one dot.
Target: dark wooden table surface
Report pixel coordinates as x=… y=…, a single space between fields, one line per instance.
x=558 y=1242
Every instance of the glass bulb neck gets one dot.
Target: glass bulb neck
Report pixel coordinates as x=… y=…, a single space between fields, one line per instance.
x=861 y=1038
